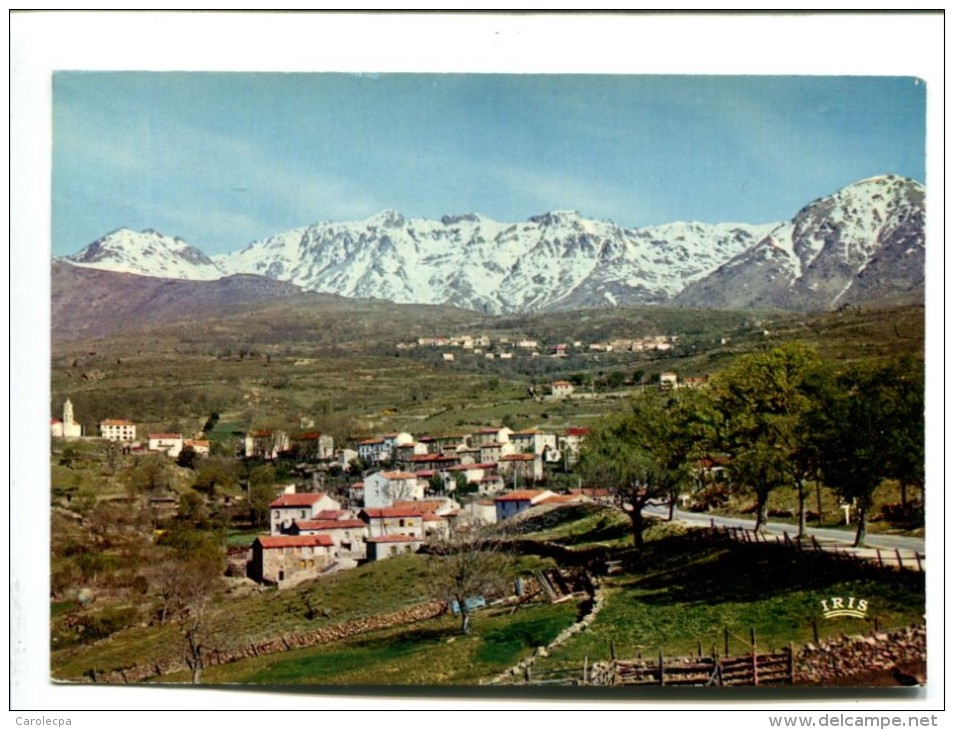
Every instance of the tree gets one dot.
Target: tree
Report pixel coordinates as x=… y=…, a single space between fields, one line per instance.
x=640 y=456
x=187 y=458
x=764 y=399
x=468 y=563
x=860 y=428
x=215 y=473
x=191 y=578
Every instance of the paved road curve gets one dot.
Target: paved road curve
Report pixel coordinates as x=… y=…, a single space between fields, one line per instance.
x=885 y=542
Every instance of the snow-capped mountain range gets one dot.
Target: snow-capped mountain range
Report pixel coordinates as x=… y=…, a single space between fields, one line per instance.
x=863 y=241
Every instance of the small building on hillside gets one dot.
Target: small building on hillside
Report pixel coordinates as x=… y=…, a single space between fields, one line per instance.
x=266 y=444
x=168 y=443
x=571 y=442
x=202 y=447
x=509 y=504
x=561 y=389
x=291 y=507
x=313 y=445
x=117 y=429
x=384 y=488
x=389 y=546
x=276 y=559
x=348 y=535
x=515 y=468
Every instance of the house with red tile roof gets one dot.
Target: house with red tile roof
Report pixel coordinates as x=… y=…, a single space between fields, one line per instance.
x=511 y=503
x=348 y=535
x=384 y=488
x=521 y=467
x=298 y=506
x=169 y=443
x=117 y=429
x=277 y=559
x=535 y=441
x=388 y=546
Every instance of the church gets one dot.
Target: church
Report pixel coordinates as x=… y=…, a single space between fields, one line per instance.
x=68 y=427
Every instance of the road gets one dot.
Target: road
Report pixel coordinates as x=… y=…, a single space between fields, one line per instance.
x=884 y=542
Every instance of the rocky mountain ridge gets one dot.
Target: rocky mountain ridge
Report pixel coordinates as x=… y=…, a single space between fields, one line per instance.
x=861 y=243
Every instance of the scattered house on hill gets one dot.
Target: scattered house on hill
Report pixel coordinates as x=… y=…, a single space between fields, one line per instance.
x=344 y=457
x=356 y=493
x=561 y=389
x=493 y=451
x=480 y=512
x=405 y=452
x=490 y=484
x=668 y=380
x=384 y=488
x=571 y=441
x=509 y=504
x=374 y=451
x=348 y=535
x=266 y=444
x=199 y=446
x=117 y=429
x=276 y=559
x=67 y=427
x=314 y=445
x=535 y=441
x=389 y=521
x=168 y=443
x=433 y=462
x=516 y=467
x=472 y=473
x=290 y=507
x=489 y=436
x=388 y=546
x=414 y=518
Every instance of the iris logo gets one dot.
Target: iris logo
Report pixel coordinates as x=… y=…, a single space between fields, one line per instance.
x=837 y=606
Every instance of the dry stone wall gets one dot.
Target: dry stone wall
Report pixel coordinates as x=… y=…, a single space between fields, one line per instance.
x=145 y=672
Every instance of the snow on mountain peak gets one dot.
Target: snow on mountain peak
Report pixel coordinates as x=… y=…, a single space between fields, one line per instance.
x=561 y=259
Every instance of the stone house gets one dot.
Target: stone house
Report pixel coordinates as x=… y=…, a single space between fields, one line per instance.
x=292 y=507
x=348 y=535
x=388 y=546
x=276 y=559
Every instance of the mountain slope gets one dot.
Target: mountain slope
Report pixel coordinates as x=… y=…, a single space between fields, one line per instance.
x=148 y=253
x=556 y=260
x=863 y=243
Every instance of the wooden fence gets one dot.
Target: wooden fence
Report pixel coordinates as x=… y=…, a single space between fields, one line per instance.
x=777 y=668
x=907 y=560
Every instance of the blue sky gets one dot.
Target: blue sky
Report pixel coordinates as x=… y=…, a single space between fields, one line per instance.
x=224 y=159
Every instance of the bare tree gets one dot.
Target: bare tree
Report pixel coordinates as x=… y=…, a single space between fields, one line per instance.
x=188 y=589
x=467 y=563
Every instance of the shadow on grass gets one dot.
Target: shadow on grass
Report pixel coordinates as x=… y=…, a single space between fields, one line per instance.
x=683 y=570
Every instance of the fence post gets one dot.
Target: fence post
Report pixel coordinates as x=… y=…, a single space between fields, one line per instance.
x=880 y=561
x=755 y=660
x=791 y=663
x=528 y=674
x=585 y=663
x=612 y=652
x=662 y=677
x=815 y=630
x=726 y=632
x=917 y=556
x=900 y=561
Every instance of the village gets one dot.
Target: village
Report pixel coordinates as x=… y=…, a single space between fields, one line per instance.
x=412 y=489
